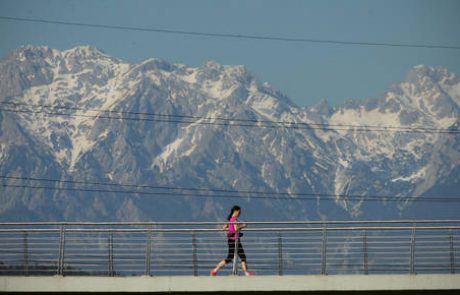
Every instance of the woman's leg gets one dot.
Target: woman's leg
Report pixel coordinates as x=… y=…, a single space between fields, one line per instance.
x=242 y=255
x=231 y=251
x=221 y=264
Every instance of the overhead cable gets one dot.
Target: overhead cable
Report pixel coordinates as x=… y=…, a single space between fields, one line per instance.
x=175 y=191
x=216 y=121
x=229 y=35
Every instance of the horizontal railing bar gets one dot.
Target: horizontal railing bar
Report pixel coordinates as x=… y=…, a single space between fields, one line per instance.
x=39 y=254
x=421 y=265
x=390 y=259
x=38 y=248
x=386 y=247
x=32 y=246
x=20 y=240
x=188 y=230
x=378 y=253
x=132 y=267
x=94 y=249
x=99 y=261
x=444 y=245
x=306 y=259
x=334 y=259
x=88 y=265
x=444 y=236
x=104 y=259
x=302 y=254
x=91 y=242
x=103 y=254
x=153 y=271
x=344 y=238
x=11 y=253
x=117 y=250
x=43 y=262
x=431 y=249
x=129 y=256
x=116 y=241
x=437 y=259
x=149 y=223
x=155 y=261
x=30 y=252
x=169 y=255
x=290 y=242
x=389 y=242
x=178 y=266
x=10 y=272
x=172 y=238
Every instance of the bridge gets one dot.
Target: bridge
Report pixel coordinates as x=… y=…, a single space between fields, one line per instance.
x=333 y=256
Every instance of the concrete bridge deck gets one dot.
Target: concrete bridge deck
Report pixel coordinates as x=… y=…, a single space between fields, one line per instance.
x=436 y=284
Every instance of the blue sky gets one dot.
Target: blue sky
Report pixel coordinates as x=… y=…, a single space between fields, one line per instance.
x=306 y=72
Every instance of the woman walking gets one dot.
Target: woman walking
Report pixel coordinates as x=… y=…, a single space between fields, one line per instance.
x=233 y=236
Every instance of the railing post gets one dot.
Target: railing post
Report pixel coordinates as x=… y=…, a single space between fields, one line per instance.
x=324 y=251
x=280 y=254
x=26 y=253
x=235 y=255
x=365 y=255
x=60 y=267
x=451 y=252
x=412 y=251
x=194 y=255
x=148 y=253
x=110 y=244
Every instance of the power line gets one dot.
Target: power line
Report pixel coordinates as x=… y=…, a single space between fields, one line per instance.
x=162 y=120
x=230 y=35
x=185 y=119
x=222 y=193
x=314 y=197
x=218 y=118
x=291 y=126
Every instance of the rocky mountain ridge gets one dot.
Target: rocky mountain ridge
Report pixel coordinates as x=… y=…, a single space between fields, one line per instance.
x=85 y=118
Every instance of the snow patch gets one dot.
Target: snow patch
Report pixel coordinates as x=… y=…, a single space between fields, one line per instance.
x=190 y=77
x=2 y=150
x=413 y=177
x=218 y=90
x=344 y=163
x=361 y=117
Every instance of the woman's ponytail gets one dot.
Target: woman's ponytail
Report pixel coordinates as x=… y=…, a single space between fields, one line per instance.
x=234 y=208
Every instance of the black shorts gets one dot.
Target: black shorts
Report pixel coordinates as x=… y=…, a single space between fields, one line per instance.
x=231 y=251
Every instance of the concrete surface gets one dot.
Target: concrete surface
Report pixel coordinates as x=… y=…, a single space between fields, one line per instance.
x=177 y=284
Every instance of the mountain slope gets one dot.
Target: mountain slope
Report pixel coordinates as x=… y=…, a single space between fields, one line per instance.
x=85 y=118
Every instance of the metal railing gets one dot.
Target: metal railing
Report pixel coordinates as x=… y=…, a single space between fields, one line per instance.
x=272 y=248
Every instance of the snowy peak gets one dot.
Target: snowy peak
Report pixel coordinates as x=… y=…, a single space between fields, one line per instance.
x=74 y=83
x=84 y=52
x=52 y=57
x=422 y=75
x=323 y=108
x=34 y=53
x=428 y=98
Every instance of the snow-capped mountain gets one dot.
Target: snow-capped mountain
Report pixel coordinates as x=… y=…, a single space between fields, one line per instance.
x=91 y=121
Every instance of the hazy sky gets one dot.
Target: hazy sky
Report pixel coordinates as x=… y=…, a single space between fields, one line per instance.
x=306 y=72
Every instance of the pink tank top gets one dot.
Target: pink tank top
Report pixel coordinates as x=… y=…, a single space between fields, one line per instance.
x=231 y=227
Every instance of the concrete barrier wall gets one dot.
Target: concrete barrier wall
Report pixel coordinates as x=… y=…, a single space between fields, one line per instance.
x=230 y=283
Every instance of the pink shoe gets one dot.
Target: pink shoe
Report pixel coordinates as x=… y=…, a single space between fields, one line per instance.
x=249 y=274
x=213 y=273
